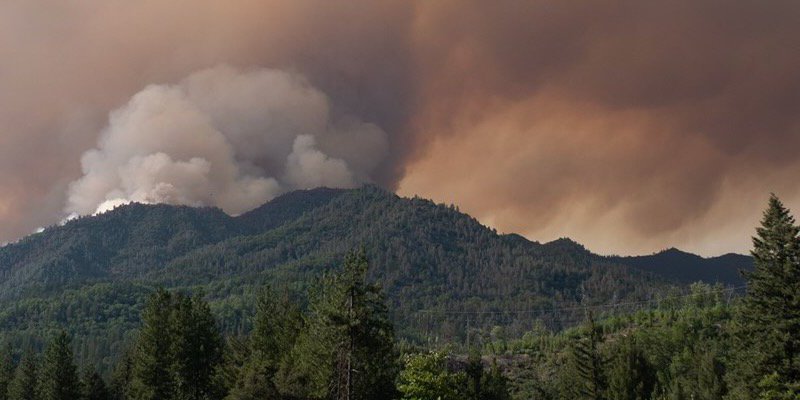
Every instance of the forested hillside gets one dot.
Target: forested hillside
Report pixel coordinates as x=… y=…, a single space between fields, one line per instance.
x=688 y=268
x=92 y=274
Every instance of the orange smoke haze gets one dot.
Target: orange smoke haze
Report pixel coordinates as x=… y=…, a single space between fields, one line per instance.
x=629 y=126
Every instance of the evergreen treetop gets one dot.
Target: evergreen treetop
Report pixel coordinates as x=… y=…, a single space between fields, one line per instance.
x=58 y=377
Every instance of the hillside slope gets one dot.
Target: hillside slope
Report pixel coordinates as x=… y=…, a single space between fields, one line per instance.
x=687 y=268
x=92 y=274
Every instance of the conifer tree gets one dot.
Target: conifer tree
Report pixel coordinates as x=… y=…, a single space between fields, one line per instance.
x=588 y=364
x=23 y=387
x=7 y=368
x=347 y=350
x=235 y=355
x=366 y=360
x=58 y=376
x=177 y=353
x=710 y=377
x=631 y=376
x=276 y=326
x=121 y=377
x=196 y=348
x=152 y=377
x=474 y=375
x=767 y=326
x=94 y=387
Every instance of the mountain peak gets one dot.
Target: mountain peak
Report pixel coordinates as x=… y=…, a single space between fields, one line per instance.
x=687 y=267
x=675 y=252
x=566 y=243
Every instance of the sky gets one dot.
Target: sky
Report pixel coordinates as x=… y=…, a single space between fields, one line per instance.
x=628 y=126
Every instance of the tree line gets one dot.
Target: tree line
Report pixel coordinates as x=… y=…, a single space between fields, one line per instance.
x=341 y=345
x=338 y=342
x=701 y=348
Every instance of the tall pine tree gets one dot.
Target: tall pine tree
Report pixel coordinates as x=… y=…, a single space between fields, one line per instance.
x=94 y=387
x=277 y=323
x=122 y=376
x=58 y=377
x=152 y=377
x=588 y=364
x=347 y=350
x=23 y=387
x=7 y=368
x=767 y=326
x=196 y=348
x=631 y=376
x=177 y=353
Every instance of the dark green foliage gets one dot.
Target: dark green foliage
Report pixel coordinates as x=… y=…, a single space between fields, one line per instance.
x=23 y=387
x=338 y=341
x=347 y=350
x=7 y=368
x=710 y=377
x=474 y=374
x=631 y=377
x=196 y=348
x=678 y=349
x=433 y=375
x=767 y=328
x=494 y=385
x=589 y=364
x=58 y=376
x=177 y=352
x=277 y=324
x=689 y=268
x=152 y=377
x=94 y=387
x=93 y=275
x=426 y=376
x=122 y=376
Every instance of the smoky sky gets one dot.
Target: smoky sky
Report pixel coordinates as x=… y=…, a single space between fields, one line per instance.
x=629 y=126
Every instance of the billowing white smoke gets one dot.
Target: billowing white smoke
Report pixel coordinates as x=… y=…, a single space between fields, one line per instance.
x=225 y=138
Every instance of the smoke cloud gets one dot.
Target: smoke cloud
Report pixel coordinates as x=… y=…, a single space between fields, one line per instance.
x=223 y=138
x=629 y=126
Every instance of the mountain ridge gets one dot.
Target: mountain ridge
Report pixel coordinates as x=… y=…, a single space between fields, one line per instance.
x=91 y=275
x=316 y=192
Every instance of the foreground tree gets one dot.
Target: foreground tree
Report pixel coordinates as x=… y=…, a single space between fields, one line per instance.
x=58 y=378
x=766 y=361
x=631 y=376
x=7 y=368
x=94 y=388
x=23 y=387
x=277 y=324
x=177 y=352
x=121 y=377
x=347 y=349
x=196 y=348
x=151 y=374
x=588 y=364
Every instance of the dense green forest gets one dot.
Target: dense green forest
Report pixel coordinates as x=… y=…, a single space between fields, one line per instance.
x=92 y=275
x=340 y=346
x=339 y=342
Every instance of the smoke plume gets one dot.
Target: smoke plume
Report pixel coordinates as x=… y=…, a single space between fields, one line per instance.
x=224 y=138
x=629 y=126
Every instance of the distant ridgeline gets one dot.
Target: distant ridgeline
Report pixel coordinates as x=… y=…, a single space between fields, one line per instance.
x=443 y=272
